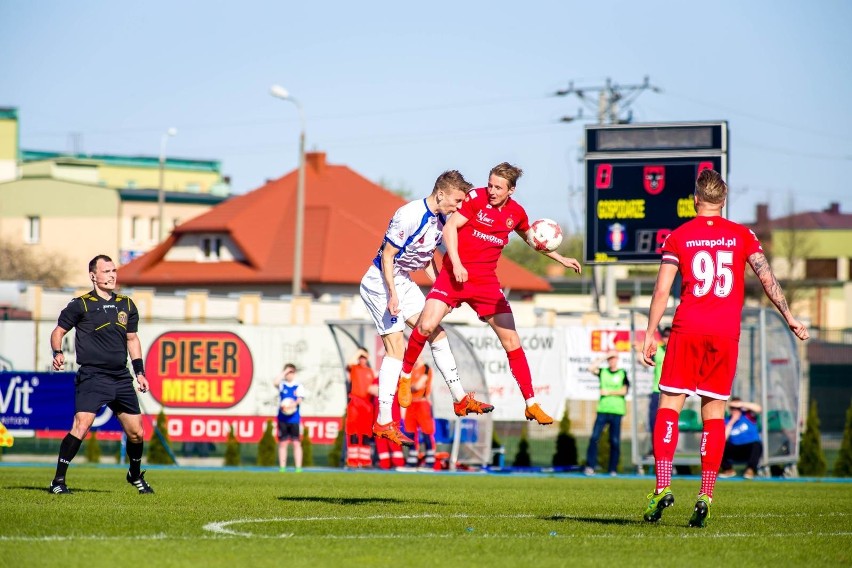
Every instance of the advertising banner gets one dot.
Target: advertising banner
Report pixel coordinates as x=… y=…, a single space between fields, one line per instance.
x=44 y=401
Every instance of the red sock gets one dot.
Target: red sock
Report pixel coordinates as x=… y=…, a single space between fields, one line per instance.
x=665 y=442
x=712 y=448
x=413 y=350
x=521 y=371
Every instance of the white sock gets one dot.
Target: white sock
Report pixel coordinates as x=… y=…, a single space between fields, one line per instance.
x=446 y=363
x=388 y=379
x=530 y=401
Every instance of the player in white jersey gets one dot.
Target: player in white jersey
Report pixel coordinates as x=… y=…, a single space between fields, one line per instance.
x=394 y=300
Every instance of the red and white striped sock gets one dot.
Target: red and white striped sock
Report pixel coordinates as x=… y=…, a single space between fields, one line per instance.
x=712 y=449
x=665 y=441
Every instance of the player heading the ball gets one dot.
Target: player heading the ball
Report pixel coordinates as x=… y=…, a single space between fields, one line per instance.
x=395 y=300
x=475 y=236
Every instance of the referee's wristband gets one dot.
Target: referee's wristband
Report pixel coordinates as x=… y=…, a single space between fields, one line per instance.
x=138 y=367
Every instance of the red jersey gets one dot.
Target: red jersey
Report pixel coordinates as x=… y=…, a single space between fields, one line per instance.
x=416 y=373
x=360 y=379
x=482 y=238
x=711 y=254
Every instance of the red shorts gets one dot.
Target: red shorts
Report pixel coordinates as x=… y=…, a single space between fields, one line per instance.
x=700 y=364
x=359 y=417
x=419 y=415
x=481 y=292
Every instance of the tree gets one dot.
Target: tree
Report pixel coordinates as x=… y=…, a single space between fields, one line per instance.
x=307 y=448
x=232 y=449
x=93 y=448
x=786 y=245
x=534 y=261
x=497 y=449
x=157 y=452
x=335 y=454
x=811 y=457
x=267 y=447
x=843 y=465
x=566 y=444
x=522 y=458
x=399 y=188
x=20 y=262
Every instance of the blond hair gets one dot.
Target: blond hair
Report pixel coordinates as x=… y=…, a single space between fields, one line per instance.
x=710 y=187
x=451 y=180
x=508 y=172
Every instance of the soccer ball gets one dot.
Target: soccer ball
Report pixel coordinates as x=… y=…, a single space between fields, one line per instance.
x=544 y=235
x=288 y=406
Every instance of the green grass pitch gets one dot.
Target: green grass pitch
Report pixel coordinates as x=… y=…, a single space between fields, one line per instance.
x=233 y=517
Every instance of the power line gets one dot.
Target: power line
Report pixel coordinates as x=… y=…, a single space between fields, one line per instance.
x=760 y=118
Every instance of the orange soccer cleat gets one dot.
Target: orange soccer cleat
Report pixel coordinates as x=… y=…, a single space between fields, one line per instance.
x=403 y=391
x=535 y=412
x=391 y=431
x=469 y=405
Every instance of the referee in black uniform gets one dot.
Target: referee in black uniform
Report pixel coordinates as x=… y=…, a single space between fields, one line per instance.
x=106 y=325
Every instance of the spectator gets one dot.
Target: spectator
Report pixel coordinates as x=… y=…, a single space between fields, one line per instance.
x=290 y=396
x=418 y=418
x=611 y=409
x=742 y=438
x=359 y=412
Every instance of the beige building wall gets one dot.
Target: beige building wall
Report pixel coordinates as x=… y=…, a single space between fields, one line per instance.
x=57 y=218
x=8 y=148
x=189 y=248
x=139 y=228
x=149 y=178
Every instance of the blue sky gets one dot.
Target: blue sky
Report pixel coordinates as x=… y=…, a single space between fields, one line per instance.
x=400 y=92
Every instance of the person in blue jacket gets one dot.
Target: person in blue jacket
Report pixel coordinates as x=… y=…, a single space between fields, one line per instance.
x=743 y=442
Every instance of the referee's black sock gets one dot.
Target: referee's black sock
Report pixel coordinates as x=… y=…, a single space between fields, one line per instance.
x=67 y=450
x=134 y=455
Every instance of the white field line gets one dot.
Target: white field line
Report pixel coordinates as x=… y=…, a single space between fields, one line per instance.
x=222 y=529
x=686 y=535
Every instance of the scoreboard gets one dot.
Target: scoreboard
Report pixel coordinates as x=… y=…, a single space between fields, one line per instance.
x=640 y=179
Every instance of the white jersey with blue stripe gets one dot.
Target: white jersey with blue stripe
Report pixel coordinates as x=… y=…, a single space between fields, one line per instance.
x=416 y=232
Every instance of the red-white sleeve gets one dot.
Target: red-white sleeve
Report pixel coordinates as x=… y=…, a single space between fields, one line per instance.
x=670 y=251
x=752 y=243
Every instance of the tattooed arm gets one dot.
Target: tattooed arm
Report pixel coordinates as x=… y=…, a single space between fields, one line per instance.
x=761 y=268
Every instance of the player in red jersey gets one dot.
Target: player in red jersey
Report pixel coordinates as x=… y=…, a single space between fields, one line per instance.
x=475 y=236
x=710 y=253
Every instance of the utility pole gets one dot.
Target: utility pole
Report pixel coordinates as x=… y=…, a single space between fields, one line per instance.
x=612 y=99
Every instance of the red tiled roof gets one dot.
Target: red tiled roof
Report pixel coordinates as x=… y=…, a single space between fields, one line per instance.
x=827 y=219
x=345 y=220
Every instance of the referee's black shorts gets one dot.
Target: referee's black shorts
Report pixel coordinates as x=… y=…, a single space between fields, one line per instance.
x=98 y=387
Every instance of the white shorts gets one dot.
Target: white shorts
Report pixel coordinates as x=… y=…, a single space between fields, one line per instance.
x=411 y=300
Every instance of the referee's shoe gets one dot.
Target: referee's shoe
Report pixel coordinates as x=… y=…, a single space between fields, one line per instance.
x=59 y=488
x=139 y=483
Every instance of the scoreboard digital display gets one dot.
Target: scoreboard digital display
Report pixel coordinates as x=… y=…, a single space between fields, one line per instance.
x=640 y=189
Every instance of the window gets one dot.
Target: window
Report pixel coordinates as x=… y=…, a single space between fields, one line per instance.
x=821 y=268
x=33 y=229
x=211 y=247
x=134 y=228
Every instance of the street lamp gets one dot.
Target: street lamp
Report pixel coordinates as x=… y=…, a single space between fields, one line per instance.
x=161 y=194
x=280 y=92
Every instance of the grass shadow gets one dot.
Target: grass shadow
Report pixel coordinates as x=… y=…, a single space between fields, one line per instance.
x=354 y=500
x=43 y=489
x=595 y=520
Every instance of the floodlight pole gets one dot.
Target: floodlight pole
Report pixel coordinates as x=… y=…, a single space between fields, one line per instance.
x=161 y=193
x=298 y=242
